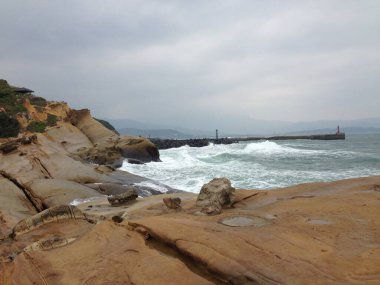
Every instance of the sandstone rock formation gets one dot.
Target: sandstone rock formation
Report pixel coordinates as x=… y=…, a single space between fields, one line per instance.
x=317 y=233
x=54 y=163
x=123 y=198
x=215 y=195
x=53 y=214
x=49 y=243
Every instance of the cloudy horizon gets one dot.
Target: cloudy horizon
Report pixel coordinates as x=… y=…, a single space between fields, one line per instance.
x=198 y=63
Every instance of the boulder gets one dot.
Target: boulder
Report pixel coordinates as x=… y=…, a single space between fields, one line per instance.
x=138 y=148
x=215 y=195
x=109 y=188
x=172 y=203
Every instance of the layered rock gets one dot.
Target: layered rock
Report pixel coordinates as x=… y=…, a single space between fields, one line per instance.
x=123 y=198
x=317 y=233
x=53 y=214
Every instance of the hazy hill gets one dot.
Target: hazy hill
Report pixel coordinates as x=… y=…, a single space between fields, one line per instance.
x=154 y=133
x=257 y=127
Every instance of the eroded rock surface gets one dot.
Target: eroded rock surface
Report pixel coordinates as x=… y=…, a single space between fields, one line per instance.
x=61 y=212
x=317 y=233
x=120 y=199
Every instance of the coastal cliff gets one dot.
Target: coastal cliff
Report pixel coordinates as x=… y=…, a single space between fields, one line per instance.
x=51 y=155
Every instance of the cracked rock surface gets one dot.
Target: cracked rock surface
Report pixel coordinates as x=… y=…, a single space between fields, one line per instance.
x=317 y=233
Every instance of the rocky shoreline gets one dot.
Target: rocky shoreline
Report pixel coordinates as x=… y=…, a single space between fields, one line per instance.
x=314 y=233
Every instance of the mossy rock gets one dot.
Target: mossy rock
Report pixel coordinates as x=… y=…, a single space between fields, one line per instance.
x=9 y=127
x=36 y=127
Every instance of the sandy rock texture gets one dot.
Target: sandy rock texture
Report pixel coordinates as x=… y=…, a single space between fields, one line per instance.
x=41 y=170
x=317 y=233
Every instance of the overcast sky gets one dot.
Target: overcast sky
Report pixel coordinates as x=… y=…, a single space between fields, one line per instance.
x=197 y=63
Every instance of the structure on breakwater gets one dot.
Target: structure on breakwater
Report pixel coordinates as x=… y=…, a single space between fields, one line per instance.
x=171 y=143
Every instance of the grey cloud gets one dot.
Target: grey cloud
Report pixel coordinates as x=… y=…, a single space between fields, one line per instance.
x=198 y=63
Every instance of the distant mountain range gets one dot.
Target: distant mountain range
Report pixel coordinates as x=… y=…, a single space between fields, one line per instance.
x=133 y=127
x=154 y=133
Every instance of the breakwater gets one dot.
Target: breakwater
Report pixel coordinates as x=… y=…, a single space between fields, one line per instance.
x=172 y=143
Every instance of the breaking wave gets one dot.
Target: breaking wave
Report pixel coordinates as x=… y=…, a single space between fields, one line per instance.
x=260 y=165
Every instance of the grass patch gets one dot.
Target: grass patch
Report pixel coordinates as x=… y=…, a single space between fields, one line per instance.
x=36 y=127
x=51 y=120
x=37 y=101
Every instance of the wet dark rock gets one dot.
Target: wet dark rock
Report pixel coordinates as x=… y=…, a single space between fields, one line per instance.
x=135 y=161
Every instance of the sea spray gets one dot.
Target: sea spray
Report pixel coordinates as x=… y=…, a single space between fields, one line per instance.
x=264 y=164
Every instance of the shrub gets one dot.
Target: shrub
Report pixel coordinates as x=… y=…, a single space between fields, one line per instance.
x=9 y=127
x=36 y=126
x=37 y=101
x=51 y=120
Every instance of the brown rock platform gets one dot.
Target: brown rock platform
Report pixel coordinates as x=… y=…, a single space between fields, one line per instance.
x=317 y=233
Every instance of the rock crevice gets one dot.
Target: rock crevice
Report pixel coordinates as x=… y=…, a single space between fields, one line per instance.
x=34 y=199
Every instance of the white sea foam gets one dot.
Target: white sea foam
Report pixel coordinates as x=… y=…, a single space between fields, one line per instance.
x=262 y=165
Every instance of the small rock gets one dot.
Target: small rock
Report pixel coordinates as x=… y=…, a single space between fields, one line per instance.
x=172 y=203
x=215 y=195
x=117 y=219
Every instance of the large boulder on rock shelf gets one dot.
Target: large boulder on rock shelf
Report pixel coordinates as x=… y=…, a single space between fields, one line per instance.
x=138 y=149
x=215 y=195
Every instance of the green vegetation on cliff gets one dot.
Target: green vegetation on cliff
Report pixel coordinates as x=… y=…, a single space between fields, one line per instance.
x=10 y=101
x=36 y=127
x=12 y=106
x=9 y=127
x=51 y=120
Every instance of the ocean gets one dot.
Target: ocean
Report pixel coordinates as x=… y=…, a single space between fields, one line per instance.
x=264 y=164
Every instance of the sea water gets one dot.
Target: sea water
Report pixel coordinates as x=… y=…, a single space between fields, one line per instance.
x=265 y=164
